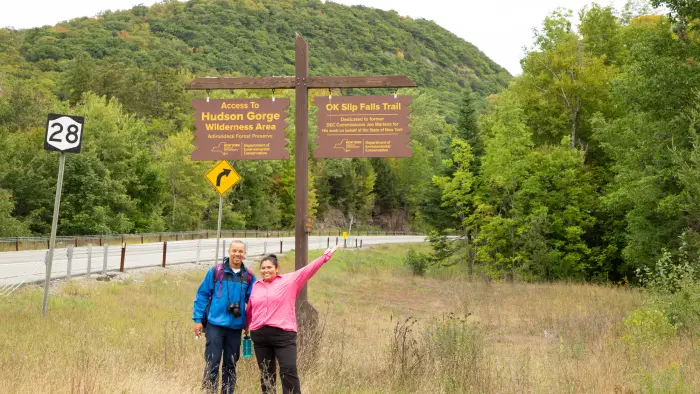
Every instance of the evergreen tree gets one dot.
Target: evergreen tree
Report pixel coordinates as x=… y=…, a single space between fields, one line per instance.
x=468 y=129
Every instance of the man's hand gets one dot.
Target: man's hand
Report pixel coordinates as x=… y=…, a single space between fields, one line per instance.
x=198 y=327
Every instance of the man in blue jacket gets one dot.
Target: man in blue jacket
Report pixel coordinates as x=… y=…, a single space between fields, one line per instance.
x=220 y=304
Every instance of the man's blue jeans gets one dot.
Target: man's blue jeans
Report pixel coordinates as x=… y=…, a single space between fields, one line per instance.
x=226 y=342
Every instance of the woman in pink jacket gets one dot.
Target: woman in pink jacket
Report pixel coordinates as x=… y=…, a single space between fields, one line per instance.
x=273 y=324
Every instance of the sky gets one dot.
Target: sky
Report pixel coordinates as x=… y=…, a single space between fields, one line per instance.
x=499 y=28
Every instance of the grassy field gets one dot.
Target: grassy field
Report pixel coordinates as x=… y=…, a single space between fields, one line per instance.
x=382 y=331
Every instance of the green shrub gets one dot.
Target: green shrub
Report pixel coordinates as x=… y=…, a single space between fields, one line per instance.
x=673 y=286
x=645 y=328
x=681 y=307
x=417 y=262
x=667 y=276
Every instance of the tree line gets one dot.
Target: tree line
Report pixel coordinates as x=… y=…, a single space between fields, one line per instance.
x=586 y=166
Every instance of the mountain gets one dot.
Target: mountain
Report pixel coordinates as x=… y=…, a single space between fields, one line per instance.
x=124 y=71
x=256 y=38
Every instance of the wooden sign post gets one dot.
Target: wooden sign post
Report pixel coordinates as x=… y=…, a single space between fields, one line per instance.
x=302 y=82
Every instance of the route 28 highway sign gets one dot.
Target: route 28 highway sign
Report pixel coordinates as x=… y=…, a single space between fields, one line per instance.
x=64 y=133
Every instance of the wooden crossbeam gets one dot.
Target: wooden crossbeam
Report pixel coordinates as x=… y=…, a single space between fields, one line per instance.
x=382 y=81
x=242 y=83
x=388 y=81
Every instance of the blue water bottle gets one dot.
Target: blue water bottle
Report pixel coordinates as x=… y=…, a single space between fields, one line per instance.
x=247 y=347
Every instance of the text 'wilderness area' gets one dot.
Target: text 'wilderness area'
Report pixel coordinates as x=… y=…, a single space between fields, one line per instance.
x=241 y=129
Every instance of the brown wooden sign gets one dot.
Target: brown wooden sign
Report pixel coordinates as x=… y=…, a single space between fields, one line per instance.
x=362 y=126
x=240 y=129
x=301 y=82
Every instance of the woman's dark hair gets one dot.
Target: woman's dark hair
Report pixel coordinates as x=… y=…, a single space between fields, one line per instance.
x=271 y=258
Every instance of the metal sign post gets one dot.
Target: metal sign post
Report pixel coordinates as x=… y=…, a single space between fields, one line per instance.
x=218 y=228
x=54 y=225
x=222 y=177
x=64 y=133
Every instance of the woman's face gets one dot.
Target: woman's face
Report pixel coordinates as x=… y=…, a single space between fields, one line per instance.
x=268 y=270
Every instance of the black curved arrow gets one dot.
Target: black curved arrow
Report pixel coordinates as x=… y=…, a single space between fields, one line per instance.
x=223 y=173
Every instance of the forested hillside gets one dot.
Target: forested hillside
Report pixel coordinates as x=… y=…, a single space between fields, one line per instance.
x=125 y=72
x=588 y=165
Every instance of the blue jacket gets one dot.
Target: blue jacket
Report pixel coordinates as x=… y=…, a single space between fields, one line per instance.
x=233 y=289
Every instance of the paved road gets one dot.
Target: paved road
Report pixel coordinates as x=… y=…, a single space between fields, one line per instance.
x=28 y=266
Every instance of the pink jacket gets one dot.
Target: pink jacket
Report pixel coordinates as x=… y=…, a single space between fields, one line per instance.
x=272 y=304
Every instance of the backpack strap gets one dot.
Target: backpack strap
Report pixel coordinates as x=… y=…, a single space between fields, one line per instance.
x=218 y=276
x=249 y=280
x=250 y=276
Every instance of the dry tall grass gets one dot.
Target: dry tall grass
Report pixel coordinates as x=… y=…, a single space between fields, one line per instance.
x=382 y=331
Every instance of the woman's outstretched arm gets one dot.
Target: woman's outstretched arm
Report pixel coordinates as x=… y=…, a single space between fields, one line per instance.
x=302 y=275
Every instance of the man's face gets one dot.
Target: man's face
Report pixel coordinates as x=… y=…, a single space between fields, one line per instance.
x=236 y=253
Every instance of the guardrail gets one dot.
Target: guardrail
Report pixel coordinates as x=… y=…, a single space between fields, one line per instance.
x=37 y=243
x=22 y=267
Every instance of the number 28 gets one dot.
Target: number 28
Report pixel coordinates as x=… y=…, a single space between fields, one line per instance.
x=71 y=136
